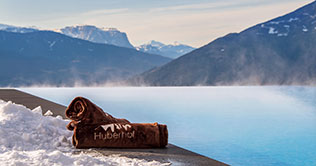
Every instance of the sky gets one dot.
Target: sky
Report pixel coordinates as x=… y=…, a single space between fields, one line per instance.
x=192 y=22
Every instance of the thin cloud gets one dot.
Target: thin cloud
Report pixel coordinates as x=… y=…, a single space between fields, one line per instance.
x=195 y=24
x=202 y=27
x=105 y=12
x=202 y=6
x=190 y=7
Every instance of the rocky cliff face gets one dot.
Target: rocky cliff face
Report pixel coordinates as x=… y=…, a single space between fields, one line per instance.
x=98 y=35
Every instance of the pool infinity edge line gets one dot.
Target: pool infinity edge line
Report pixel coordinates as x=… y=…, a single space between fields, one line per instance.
x=172 y=153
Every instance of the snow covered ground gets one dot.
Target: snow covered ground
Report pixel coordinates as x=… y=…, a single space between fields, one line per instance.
x=29 y=138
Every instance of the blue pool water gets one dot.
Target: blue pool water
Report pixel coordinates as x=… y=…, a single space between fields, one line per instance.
x=235 y=125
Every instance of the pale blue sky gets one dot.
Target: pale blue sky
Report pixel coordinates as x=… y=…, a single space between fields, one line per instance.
x=193 y=22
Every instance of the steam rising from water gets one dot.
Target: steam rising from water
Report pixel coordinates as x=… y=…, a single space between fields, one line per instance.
x=236 y=125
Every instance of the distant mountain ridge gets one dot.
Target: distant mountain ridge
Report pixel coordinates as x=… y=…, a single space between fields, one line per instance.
x=110 y=36
x=277 y=52
x=50 y=58
x=10 y=28
x=171 y=50
x=98 y=35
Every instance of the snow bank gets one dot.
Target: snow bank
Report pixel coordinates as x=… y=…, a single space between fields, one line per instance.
x=29 y=138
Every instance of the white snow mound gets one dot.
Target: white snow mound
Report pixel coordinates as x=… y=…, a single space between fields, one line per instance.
x=29 y=138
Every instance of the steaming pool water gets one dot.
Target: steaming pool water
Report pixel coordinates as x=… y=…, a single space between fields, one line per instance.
x=235 y=125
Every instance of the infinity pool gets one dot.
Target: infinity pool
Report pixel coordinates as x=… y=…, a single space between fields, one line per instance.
x=235 y=125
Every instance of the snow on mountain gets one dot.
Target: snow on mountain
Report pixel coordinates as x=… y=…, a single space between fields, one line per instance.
x=173 y=51
x=111 y=36
x=98 y=35
x=10 y=28
x=280 y=51
x=302 y=20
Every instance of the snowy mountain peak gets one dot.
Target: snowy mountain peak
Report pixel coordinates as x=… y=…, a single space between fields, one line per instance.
x=109 y=29
x=16 y=29
x=155 y=43
x=98 y=35
x=173 y=51
x=4 y=26
x=176 y=43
